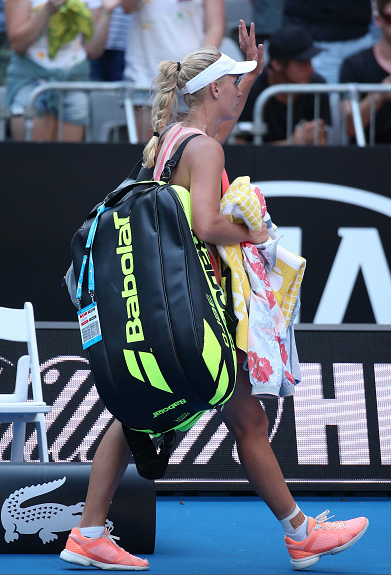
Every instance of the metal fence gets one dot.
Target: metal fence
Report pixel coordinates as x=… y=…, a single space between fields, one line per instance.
x=111 y=108
x=337 y=93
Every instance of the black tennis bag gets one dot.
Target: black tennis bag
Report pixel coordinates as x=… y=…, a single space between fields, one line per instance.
x=165 y=354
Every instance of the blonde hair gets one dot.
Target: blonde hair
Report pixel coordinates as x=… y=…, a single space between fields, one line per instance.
x=165 y=101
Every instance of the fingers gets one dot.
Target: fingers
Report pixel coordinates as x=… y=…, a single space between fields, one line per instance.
x=252 y=33
x=243 y=36
x=260 y=57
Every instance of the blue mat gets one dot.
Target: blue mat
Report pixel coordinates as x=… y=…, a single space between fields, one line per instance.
x=208 y=535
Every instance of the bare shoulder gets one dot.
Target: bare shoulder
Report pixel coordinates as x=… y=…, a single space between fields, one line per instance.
x=202 y=163
x=205 y=148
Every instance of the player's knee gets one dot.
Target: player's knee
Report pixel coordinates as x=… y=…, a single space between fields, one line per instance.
x=255 y=427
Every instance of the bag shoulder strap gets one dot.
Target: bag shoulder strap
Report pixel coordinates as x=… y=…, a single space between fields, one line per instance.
x=145 y=174
x=172 y=162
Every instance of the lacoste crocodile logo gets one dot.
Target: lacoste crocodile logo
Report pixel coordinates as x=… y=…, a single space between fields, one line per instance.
x=44 y=519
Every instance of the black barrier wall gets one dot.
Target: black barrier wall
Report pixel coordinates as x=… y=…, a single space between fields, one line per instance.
x=45 y=500
x=334 y=434
x=331 y=204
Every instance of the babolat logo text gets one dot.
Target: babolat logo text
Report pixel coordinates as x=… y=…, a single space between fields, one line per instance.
x=172 y=406
x=134 y=330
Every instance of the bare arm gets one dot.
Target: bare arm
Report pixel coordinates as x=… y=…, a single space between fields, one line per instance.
x=365 y=107
x=253 y=52
x=130 y=5
x=205 y=185
x=214 y=22
x=101 y=18
x=23 y=30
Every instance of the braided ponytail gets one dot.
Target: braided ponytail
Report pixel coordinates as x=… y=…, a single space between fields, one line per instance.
x=174 y=75
x=165 y=103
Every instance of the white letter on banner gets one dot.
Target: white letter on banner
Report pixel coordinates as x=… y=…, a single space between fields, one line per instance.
x=383 y=400
x=347 y=411
x=360 y=248
x=291 y=238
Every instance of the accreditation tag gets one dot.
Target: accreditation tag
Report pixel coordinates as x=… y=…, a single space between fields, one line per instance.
x=89 y=325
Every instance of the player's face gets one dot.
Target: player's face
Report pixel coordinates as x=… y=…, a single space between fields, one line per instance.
x=231 y=94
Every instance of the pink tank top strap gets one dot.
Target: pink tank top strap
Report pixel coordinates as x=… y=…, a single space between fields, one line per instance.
x=177 y=131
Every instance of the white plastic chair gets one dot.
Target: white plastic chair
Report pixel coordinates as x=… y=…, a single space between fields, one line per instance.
x=18 y=325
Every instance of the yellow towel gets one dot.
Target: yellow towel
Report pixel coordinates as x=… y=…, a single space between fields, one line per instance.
x=72 y=19
x=232 y=256
x=243 y=202
x=285 y=280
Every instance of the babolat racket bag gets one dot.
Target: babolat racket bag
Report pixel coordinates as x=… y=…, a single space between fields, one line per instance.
x=152 y=315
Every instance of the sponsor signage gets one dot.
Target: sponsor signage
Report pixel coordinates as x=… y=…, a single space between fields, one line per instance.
x=41 y=503
x=344 y=233
x=335 y=433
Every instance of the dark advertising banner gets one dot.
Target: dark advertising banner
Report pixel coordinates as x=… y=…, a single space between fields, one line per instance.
x=331 y=205
x=334 y=434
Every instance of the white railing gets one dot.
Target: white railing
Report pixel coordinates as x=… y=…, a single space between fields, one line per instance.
x=121 y=114
x=350 y=91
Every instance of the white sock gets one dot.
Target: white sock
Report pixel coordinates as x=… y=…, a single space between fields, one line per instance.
x=92 y=532
x=298 y=534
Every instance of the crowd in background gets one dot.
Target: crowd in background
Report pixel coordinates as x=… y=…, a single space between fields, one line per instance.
x=322 y=41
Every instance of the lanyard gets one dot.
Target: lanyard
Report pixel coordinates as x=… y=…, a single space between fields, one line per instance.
x=88 y=255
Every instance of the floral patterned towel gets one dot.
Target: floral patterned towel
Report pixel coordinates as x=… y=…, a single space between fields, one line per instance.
x=265 y=328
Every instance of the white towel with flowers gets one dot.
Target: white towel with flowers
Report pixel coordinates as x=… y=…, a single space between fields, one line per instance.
x=266 y=280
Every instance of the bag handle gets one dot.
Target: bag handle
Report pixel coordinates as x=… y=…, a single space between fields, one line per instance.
x=149 y=463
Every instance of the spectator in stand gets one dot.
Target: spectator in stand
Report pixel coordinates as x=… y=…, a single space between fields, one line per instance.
x=52 y=40
x=5 y=51
x=339 y=27
x=373 y=66
x=165 y=30
x=290 y=52
x=109 y=67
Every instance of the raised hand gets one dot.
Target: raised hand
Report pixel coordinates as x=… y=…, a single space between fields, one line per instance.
x=248 y=45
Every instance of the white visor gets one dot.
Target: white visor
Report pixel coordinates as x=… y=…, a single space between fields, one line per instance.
x=224 y=65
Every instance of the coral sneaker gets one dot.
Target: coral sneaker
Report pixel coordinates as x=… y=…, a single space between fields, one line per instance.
x=324 y=538
x=100 y=552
